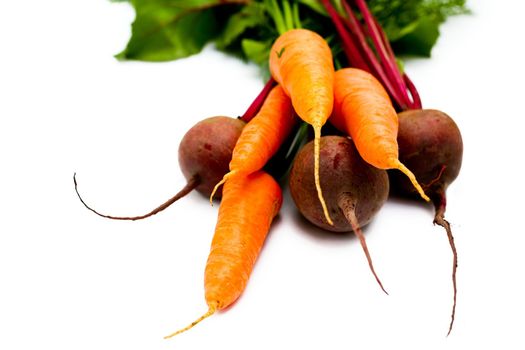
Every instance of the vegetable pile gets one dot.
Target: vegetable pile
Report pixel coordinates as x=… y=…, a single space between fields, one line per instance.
x=333 y=63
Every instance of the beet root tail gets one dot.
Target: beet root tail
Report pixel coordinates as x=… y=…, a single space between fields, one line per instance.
x=439 y=219
x=190 y=186
x=347 y=205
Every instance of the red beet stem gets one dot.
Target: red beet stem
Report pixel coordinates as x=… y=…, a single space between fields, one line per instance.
x=347 y=205
x=190 y=186
x=390 y=65
x=376 y=69
x=355 y=58
x=440 y=204
x=416 y=98
x=255 y=106
x=357 y=38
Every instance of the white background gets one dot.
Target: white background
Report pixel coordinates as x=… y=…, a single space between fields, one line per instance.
x=72 y=280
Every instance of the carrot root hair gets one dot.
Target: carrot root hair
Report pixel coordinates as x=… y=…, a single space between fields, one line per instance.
x=317 y=150
x=347 y=205
x=211 y=310
x=220 y=183
x=400 y=166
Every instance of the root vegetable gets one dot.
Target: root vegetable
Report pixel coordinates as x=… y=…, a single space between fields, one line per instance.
x=354 y=190
x=430 y=144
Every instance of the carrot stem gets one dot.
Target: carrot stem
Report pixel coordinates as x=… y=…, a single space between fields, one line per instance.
x=277 y=15
x=288 y=15
x=347 y=205
x=192 y=183
x=296 y=17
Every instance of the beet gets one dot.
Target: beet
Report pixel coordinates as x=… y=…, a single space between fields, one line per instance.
x=354 y=191
x=205 y=152
x=430 y=144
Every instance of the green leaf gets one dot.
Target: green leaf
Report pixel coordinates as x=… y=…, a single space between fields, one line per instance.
x=418 y=39
x=250 y=16
x=256 y=51
x=169 y=29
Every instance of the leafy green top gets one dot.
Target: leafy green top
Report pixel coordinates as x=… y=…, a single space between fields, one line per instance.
x=166 y=30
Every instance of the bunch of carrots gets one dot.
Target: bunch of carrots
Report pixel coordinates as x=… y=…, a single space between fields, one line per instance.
x=362 y=102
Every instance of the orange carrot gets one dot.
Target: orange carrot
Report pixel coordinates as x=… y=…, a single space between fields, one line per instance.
x=249 y=204
x=301 y=61
x=363 y=109
x=262 y=136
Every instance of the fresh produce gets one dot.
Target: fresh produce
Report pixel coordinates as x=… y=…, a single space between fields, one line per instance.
x=363 y=110
x=206 y=149
x=430 y=143
x=298 y=43
x=168 y=30
x=379 y=59
x=354 y=190
x=262 y=136
x=301 y=61
x=249 y=204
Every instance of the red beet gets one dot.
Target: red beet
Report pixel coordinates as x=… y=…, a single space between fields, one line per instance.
x=206 y=150
x=354 y=191
x=430 y=145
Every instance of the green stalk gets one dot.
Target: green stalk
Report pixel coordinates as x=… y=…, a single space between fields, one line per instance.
x=296 y=17
x=276 y=15
x=288 y=16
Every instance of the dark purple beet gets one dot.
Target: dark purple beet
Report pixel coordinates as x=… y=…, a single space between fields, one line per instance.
x=204 y=156
x=354 y=191
x=206 y=150
x=430 y=145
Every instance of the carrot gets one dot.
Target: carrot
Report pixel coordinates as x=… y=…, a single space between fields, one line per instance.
x=301 y=61
x=362 y=108
x=262 y=136
x=249 y=204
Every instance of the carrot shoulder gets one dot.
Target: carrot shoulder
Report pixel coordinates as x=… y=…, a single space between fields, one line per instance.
x=362 y=109
x=249 y=204
x=301 y=61
x=262 y=136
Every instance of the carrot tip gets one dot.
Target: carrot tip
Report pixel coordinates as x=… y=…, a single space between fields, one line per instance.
x=412 y=178
x=211 y=311
x=317 y=146
x=224 y=179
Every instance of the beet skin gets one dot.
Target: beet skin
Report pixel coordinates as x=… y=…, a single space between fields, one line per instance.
x=206 y=150
x=343 y=174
